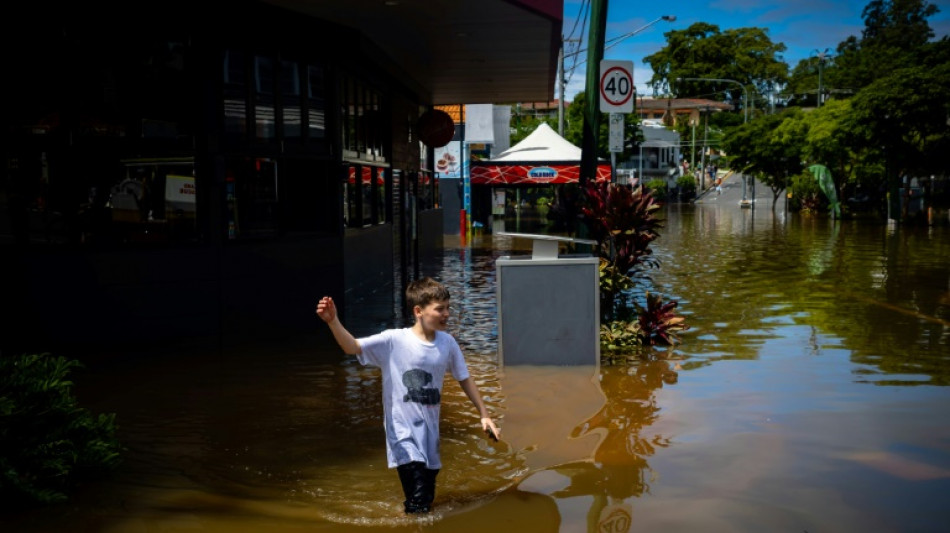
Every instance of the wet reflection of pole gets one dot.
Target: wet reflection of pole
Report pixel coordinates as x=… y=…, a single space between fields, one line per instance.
x=604 y=455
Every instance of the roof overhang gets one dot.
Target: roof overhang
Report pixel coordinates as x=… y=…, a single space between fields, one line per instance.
x=458 y=51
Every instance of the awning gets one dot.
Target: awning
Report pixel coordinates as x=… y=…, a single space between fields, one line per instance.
x=488 y=173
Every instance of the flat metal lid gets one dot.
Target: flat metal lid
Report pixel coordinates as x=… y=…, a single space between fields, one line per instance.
x=545 y=246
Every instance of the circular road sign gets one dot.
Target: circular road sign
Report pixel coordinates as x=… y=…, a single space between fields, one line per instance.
x=616 y=87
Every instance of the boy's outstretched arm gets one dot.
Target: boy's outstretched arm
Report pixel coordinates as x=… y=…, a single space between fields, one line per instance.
x=326 y=310
x=471 y=390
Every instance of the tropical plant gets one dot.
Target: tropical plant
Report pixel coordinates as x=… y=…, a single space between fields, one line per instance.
x=619 y=340
x=48 y=443
x=658 y=323
x=623 y=221
x=613 y=282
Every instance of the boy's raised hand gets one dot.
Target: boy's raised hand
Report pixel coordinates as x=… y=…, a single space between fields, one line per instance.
x=326 y=309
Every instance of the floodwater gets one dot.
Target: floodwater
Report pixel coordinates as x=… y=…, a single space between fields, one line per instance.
x=809 y=394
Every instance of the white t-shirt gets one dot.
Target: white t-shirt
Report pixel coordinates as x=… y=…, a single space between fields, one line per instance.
x=413 y=370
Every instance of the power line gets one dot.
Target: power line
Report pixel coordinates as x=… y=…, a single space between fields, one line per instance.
x=566 y=77
x=576 y=19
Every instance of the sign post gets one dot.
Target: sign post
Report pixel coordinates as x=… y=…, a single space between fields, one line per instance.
x=615 y=142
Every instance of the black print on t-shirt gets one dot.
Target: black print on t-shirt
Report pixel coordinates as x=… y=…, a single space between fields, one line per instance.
x=415 y=380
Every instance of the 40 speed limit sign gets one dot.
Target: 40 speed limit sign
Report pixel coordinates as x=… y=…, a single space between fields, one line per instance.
x=616 y=86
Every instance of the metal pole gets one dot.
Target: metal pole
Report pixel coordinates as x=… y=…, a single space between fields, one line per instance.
x=692 y=151
x=560 y=86
x=745 y=95
x=595 y=52
x=640 y=163
x=705 y=142
x=613 y=167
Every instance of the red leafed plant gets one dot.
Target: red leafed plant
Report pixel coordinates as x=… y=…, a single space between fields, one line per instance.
x=623 y=222
x=658 y=323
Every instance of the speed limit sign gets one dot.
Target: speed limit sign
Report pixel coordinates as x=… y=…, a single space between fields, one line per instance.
x=616 y=86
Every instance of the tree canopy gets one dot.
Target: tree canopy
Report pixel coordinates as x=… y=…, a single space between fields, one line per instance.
x=895 y=34
x=745 y=55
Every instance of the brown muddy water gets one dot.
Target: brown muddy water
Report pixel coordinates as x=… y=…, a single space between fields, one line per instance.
x=810 y=394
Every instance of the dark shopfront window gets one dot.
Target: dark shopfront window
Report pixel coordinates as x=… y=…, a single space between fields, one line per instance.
x=427 y=190
x=291 y=117
x=144 y=201
x=363 y=129
x=265 y=119
x=251 y=198
x=269 y=199
x=99 y=149
x=365 y=190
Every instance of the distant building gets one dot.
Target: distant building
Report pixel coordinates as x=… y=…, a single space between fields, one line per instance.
x=542 y=110
x=675 y=110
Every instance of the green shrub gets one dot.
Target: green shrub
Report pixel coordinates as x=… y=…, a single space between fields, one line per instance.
x=806 y=194
x=48 y=444
x=657 y=186
x=686 y=184
x=620 y=340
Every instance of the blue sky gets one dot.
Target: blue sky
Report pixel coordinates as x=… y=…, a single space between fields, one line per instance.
x=805 y=26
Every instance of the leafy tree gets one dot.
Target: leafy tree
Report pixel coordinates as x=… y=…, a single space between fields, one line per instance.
x=829 y=141
x=894 y=33
x=745 y=55
x=524 y=125
x=769 y=147
x=906 y=114
x=803 y=83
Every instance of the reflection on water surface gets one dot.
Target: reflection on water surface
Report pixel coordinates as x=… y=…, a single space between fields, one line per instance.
x=809 y=395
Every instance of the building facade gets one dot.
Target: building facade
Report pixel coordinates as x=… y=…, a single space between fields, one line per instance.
x=173 y=175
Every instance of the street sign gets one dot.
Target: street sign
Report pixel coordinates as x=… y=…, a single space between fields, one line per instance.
x=616 y=86
x=615 y=135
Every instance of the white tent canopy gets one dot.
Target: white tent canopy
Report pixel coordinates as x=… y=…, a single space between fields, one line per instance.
x=543 y=144
x=542 y=158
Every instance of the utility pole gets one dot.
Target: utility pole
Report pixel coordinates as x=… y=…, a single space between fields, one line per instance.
x=560 y=89
x=595 y=52
x=561 y=85
x=702 y=175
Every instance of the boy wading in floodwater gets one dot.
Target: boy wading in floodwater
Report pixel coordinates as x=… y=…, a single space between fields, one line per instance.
x=413 y=363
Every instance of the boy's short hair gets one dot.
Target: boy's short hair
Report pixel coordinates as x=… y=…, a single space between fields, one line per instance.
x=424 y=291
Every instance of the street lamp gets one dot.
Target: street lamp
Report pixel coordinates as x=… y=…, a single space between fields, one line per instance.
x=821 y=63
x=745 y=92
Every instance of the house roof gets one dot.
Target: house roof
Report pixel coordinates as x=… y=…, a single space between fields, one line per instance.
x=682 y=104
